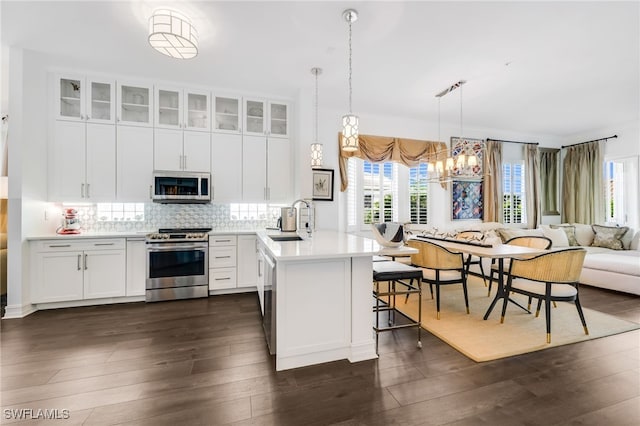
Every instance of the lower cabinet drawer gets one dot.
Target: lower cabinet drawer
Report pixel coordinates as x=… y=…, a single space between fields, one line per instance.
x=222 y=278
x=222 y=257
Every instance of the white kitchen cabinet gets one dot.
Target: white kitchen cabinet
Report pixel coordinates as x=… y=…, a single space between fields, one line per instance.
x=265 y=117
x=226 y=167
x=254 y=168
x=136 y=267
x=81 y=98
x=82 y=162
x=178 y=108
x=266 y=169
x=135 y=103
x=279 y=174
x=222 y=262
x=227 y=113
x=247 y=261
x=134 y=163
x=68 y=270
x=182 y=150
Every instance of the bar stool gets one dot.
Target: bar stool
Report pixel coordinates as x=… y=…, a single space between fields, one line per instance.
x=402 y=279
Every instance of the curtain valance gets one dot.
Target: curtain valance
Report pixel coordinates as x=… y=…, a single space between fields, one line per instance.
x=377 y=149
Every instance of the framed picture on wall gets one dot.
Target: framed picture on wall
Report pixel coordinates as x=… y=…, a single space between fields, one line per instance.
x=322 y=184
x=466 y=200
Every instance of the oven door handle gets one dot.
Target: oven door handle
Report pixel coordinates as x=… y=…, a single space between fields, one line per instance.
x=174 y=247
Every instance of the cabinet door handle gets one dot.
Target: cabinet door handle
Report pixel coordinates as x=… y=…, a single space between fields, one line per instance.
x=103 y=244
x=223 y=257
x=79 y=256
x=222 y=279
x=185 y=162
x=85 y=262
x=222 y=241
x=259 y=268
x=82 y=190
x=150 y=192
x=59 y=245
x=88 y=187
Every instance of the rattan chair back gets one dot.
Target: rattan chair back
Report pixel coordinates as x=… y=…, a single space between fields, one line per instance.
x=561 y=266
x=434 y=256
x=531 y=241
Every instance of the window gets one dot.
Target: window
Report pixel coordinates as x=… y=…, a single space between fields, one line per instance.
x=109 y=212
x=513 y=193
x=385 y=192
x=418 y=189
x=620 y=185
x=380 y=191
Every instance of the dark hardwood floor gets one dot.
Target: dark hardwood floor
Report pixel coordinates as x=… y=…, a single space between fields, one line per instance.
x=205 y=362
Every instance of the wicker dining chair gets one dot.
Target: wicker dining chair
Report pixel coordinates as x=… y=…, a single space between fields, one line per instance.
x=532 y=241
x=548 y=277
x=471 y=259
x=440 y=266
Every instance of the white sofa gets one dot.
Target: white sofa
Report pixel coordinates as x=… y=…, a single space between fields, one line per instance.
x=603 y=267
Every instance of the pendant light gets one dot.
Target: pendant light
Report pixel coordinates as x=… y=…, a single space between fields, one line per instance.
x=350 y=121
x=316 y=147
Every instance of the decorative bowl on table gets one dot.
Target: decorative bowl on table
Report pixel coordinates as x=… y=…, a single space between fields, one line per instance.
x=388 y=234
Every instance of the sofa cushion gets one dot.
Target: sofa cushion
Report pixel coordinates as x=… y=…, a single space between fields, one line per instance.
x=627 y=262
x=635 y=242
x=570 y=231
x=609 y=236
x=508 y=233
x=584 y=234
x=557 y=236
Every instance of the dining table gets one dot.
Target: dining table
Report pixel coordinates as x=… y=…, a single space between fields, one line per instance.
x=499 y=252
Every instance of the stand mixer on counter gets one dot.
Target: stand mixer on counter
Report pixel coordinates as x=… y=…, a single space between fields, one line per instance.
x=70 y=222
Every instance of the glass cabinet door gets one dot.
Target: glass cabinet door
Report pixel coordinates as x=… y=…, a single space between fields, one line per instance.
x=278 y=119
x=70 y=93
x=135 y=105
x=101 y=101
x=254 y=117
x=227 y=114
x=197 y=115
x=169 y=106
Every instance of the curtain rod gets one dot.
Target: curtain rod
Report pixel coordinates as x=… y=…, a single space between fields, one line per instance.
x=524 y=143
x=595 y=140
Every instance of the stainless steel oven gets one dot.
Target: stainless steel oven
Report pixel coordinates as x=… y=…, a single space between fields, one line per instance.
x=177 y=264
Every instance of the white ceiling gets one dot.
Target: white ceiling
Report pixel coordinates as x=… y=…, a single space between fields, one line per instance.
x=556 y=68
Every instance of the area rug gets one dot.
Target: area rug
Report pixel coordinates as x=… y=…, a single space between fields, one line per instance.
x=520 y=333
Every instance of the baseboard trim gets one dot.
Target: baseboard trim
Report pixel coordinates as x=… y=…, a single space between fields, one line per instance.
x=18 y=311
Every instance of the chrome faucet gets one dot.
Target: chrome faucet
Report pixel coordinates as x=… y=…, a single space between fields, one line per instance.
x=310 y=215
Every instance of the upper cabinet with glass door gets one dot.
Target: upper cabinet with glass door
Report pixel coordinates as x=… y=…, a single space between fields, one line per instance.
x=278 y=119
x=135 y=104
x=182 y=109
x=266 y=118
x=227 y=114
x=85 y=99
x=255 y=117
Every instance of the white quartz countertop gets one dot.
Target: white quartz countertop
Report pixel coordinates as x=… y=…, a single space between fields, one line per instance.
x=129 y=234
x=322 y=245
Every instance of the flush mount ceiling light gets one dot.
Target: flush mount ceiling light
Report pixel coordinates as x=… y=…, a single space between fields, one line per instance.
x=316 y=147
x=172 y=33
x=350 y=121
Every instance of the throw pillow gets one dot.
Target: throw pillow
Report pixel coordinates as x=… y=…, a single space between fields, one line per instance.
x=557 y=236
x=609 y=236
x=570 y=231
x=584 y=234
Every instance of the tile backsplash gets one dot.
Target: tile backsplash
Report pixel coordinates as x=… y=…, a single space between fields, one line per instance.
x=216 y=216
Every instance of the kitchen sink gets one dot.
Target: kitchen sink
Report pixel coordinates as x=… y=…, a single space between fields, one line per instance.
x=285 y=237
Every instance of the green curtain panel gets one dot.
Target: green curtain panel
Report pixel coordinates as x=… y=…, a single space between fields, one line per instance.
x=532 y=183
x=582 y=190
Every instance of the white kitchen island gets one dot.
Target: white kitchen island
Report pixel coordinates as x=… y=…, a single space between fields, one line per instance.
x=323 y=299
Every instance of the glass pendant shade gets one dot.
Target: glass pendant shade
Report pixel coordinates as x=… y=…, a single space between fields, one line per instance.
x=316 y=155
x=172 y=34
x=472 y=161
x=449 y=164
x=350 y=132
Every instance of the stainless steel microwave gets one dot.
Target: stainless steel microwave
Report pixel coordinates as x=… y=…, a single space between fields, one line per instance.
x=181 y=187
